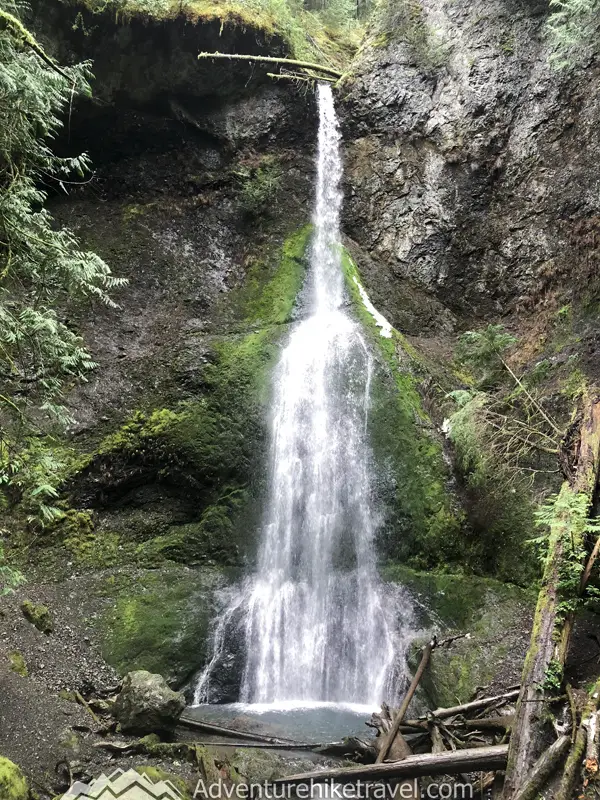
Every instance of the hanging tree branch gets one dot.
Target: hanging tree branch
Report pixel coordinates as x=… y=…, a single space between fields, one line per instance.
x=20 y=32
x=288 y=62
x=297 y=77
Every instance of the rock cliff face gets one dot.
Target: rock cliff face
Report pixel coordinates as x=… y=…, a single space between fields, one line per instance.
x=472 y=195
x=200 y=197
x=470 y=162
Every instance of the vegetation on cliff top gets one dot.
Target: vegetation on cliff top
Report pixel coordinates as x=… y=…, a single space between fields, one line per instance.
x=329 y=29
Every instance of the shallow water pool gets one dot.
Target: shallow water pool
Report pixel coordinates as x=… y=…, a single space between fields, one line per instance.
x=302 y=722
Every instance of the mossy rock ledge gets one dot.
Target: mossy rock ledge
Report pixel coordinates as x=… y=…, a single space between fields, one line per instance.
x=496 y=616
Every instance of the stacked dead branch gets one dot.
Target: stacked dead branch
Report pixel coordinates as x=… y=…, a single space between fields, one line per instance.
x=468 y=738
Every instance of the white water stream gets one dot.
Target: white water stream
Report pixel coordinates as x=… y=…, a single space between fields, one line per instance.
x=317 y=626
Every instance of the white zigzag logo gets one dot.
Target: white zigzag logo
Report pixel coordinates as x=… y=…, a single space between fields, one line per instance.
x=121 y=785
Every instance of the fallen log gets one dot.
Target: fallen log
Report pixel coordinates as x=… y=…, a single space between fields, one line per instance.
x=352 y=747
x=543 y=768
x=297 y=78
x=579 y=748
x=489 y=724
x=474 y=705
x=287 y=62
x=84 y=703
x=476 y=759
x=551 y=630
x=121 y=747
x=220 y=730
x=402 y=750
x=412 y=726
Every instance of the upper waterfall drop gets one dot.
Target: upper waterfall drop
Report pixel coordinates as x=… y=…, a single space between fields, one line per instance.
x=317 y=628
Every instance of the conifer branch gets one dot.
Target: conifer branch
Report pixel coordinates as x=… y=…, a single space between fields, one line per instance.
x=16 y=27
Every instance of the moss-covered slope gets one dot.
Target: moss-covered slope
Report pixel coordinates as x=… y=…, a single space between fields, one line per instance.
x=423 y=522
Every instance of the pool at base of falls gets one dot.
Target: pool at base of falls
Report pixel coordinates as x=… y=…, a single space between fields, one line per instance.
x=302 y=721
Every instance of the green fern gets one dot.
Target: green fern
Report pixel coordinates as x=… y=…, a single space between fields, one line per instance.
x=43 y=269
x=10 y=577
x=572 y=29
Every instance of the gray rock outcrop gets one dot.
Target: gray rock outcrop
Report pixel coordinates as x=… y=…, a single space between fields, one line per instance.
x=147 y=705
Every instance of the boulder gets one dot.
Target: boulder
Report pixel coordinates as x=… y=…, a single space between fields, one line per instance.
x=13 y=785
x=146 y=704
x=38 y=615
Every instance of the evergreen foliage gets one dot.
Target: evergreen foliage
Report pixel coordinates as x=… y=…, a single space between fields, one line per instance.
x=9 y=577
x=258 y=186
x=43 y=269
x=481 y=351
x=504 y=440
x=571 y=28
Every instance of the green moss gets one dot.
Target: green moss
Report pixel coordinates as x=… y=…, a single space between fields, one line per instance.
x=211 y=541
x=491 y=612
x=574 y=385
x=196 y=11
x=454 y=599
x=13 y=785
x=17 y=664
x=155 y=774
x=97 y=550
x=272 y=304
x=38 y=615
x=423 y=526
x=139 y=429
x=158 y=621
x=213 y=445
x=89 y=548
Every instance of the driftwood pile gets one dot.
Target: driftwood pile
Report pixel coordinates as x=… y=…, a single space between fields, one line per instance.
x=461 y=740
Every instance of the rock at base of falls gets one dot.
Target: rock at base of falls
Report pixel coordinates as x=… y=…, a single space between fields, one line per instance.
x=147 y=705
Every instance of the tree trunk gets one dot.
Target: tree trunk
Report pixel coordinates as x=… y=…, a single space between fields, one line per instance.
x=220 y=730
x=543 y=768
x=476 y=759
x=286 y=62
x=581 y=746
x=550 y=636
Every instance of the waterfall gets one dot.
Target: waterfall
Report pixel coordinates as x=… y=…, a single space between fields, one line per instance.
x=317 y=626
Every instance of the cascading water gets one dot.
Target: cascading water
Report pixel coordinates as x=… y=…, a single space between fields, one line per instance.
x=316 y=624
